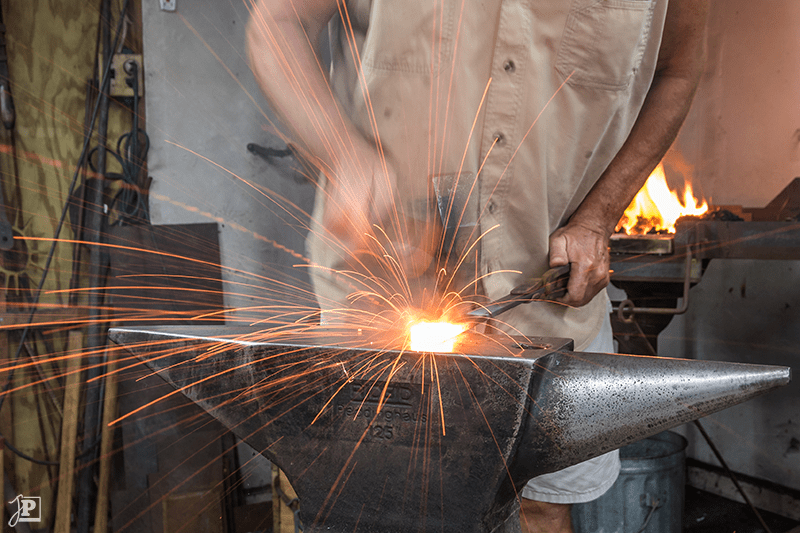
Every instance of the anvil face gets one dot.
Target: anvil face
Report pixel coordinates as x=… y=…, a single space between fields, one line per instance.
x=379 y=439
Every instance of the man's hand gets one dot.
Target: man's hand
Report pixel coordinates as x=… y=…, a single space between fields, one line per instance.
x=360 y=193
x=362 y=209
x=586 y=249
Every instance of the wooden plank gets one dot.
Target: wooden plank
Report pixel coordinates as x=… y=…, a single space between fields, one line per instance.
x=69 y=434
x=284 y=503
x=277 y=504
x=106 y=442
x=168 y=274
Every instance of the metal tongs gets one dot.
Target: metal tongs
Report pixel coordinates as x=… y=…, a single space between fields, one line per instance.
x=552 y=285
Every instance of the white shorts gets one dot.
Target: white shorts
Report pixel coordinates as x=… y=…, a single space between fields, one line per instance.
x=584 y=481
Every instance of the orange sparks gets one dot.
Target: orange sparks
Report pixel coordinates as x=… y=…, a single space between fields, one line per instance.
x=657 y=208
x=435 y=336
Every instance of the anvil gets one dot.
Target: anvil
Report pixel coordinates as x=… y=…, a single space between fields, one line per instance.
x=377 y=438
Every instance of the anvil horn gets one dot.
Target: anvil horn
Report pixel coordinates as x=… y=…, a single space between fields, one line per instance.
x=395 y=441
x=588 y=403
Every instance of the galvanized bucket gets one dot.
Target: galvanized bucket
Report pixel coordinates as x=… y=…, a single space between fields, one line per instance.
x=647 y=497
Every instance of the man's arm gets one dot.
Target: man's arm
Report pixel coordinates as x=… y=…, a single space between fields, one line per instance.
x=584 y=240
x=282 y=37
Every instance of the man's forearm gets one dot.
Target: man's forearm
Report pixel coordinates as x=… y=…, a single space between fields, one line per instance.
x=659 y=121
x=680 y=63
x=583 y=242
x=280 y=44
x=281 y=39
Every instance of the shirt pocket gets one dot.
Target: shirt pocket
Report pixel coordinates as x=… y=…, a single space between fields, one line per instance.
x=410 y=37
x=603 y=42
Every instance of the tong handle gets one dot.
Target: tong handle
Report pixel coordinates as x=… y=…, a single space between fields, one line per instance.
x=552 y=285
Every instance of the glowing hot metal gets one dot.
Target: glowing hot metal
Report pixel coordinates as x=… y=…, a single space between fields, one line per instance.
x=435 y=337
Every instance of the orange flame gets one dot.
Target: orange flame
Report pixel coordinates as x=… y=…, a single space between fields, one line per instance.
x=435 y=336
x=656 y=208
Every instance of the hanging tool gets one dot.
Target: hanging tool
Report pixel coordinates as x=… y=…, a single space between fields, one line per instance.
x=551 y=286
x=304 y=174
x=268 y=153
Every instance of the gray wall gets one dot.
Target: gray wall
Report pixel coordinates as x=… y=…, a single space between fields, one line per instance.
x=747 y=312
x=203 y=108
x=742 y=136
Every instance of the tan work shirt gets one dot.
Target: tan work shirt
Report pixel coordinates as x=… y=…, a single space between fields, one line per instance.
x=566 y=81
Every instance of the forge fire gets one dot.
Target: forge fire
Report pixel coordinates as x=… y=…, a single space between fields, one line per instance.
x=656 y=208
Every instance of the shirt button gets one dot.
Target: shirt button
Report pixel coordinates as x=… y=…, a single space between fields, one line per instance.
x=491 y=207
x=509 y=66
x=499 y=138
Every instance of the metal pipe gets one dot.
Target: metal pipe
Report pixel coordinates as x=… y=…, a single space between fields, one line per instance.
x=626 y=309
